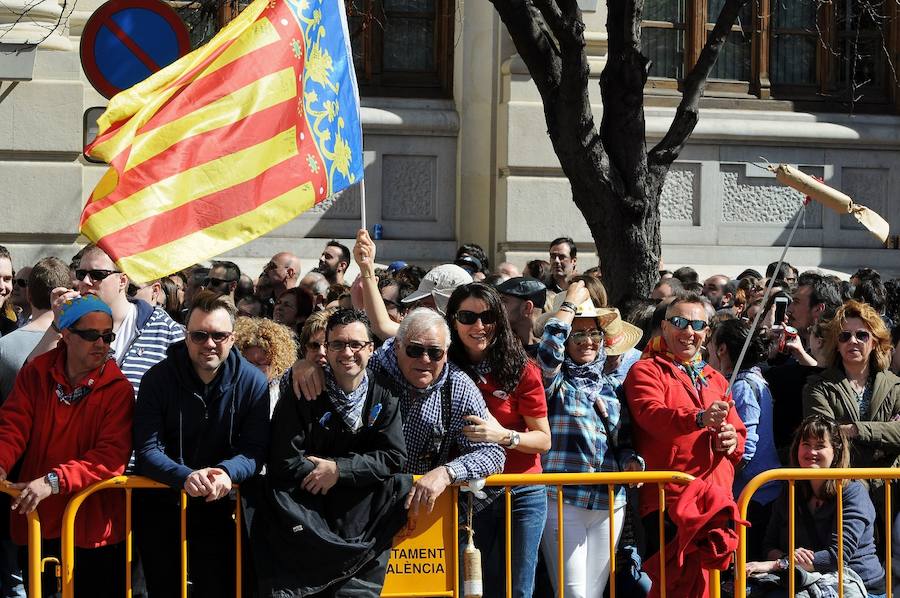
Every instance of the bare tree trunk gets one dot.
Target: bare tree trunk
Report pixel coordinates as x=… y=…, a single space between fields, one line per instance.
x=616 y=182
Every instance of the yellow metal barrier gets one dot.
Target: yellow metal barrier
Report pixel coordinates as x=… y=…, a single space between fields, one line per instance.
x=435 y=536
x=793 y=475
x=128 y=484
x=35 y=564
x=610 y=480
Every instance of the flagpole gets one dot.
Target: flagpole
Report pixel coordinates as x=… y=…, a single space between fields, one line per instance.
x=765 y=299
x=362 y=203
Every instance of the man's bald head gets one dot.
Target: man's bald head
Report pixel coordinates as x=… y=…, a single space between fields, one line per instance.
x=283 y=270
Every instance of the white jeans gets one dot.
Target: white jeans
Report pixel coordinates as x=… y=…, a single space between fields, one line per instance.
x=585 y=547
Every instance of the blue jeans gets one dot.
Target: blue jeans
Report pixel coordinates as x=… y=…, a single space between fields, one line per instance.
x=529 y=513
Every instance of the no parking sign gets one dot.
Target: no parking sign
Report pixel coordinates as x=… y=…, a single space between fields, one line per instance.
x=126 y=41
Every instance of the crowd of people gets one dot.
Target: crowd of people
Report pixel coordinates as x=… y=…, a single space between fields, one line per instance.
x=323 y=397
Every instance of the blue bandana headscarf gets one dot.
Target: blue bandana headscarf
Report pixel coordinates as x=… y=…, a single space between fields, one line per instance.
x=74 y=309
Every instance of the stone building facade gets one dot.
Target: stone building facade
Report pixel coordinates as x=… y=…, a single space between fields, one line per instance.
x=473 y=164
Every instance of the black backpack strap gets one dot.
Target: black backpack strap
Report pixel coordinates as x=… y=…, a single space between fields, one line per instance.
x=442 y=443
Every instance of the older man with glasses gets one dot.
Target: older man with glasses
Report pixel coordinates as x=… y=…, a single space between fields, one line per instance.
x=683 y=420
x=68 y=422
x=201 y=424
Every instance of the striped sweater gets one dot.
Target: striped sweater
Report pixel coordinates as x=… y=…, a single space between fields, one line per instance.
x=155 y=332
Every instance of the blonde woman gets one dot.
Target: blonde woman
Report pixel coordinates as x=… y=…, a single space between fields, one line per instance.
x=268 y=346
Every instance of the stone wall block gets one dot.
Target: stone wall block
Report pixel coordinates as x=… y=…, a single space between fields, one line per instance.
x=40 y=198
x=409 y=188
x=763 y=199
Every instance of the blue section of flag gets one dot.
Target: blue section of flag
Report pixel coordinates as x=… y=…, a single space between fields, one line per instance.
x=331 y=99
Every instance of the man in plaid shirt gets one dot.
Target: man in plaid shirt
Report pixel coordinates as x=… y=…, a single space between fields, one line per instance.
x=435 y=398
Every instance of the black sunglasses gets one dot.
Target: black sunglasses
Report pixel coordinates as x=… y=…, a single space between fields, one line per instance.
x=417 y=351
x=201 y=336
x=92 y=335
x=96 y=275
x=468 y=318
x=22 y=282
x=862 y=336
x=215 y=282
x=682 y=323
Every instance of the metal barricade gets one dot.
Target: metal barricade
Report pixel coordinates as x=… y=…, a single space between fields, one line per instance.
x=35 y=563
x=610 y=480
x=792 y=475
x=128 y=484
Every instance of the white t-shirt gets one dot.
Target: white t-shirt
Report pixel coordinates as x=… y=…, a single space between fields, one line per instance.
x=125 y=334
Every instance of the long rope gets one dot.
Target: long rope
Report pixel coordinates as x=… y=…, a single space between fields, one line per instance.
x=765 y=299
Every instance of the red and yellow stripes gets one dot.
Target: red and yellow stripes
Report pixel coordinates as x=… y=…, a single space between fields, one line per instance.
x=209 y=153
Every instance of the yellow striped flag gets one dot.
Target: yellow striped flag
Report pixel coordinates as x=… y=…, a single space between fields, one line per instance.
x=229 y=142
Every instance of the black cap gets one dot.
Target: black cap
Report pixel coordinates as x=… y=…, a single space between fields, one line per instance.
x=469 y=263
x=524 y=287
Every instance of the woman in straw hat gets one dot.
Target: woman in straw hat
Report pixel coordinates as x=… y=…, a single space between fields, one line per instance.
x=586 y=423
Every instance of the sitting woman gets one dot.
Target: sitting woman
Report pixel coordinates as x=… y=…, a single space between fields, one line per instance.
x=820 y=443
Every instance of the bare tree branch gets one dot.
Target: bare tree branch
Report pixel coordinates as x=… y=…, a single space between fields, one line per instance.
x=688 y=112
x=533 y=42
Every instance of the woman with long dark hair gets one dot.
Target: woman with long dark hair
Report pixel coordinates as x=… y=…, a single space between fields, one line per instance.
x=484 y=346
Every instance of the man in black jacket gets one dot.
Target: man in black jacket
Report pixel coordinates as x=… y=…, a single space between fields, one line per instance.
x=334 y=496
x=201 y=424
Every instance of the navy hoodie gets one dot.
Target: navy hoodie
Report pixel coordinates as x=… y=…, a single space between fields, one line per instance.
x=182 y=425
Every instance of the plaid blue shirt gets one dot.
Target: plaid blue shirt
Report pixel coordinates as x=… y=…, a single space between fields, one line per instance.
x=580 y=443
x=421 y=413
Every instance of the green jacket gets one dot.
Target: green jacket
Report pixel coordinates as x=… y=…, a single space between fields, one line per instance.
x=878 y=443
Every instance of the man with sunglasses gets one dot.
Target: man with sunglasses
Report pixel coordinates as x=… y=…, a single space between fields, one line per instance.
x=201 y=424
x=222 y=278
x=68 y=422
x=683 y=419
x=334 y=472
x=283 y=271
x=143 y=332
x=19 y=296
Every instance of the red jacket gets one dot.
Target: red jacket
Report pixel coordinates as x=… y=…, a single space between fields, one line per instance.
x=664 y=403
x=83 y=443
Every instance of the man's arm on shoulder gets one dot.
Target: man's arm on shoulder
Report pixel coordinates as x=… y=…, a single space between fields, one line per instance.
x=109 y=455
x=149 y=430
x=477 y=459
x=645 y=391
x=253 y=442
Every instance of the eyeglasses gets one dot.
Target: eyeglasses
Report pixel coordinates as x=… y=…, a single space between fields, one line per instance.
x=682 y=323
x=314 y=346
x=583 y=336
x=355 y=346
x=389 y=305
x=96 y=275
x=22 y=282
x=468 y=318
x=91 y=336
x=862 y=336
x=200 y=337
x=417 y=351
x=215 y=282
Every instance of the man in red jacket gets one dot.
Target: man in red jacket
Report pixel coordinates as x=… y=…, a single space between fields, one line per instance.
x=682 y=418
x=68 y=419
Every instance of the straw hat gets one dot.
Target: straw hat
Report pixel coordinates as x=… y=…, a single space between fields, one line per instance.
x=619 y=336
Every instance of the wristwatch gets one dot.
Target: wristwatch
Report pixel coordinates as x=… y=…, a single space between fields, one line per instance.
x=450 y=473
x=699 y=420
x=514 y=439
x=782 y=564
x=52 y=479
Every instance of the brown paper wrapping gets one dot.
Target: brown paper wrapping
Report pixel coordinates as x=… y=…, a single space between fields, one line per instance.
x=833 y=199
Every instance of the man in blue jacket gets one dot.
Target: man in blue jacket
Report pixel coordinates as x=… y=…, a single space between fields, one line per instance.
x=201 y=424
